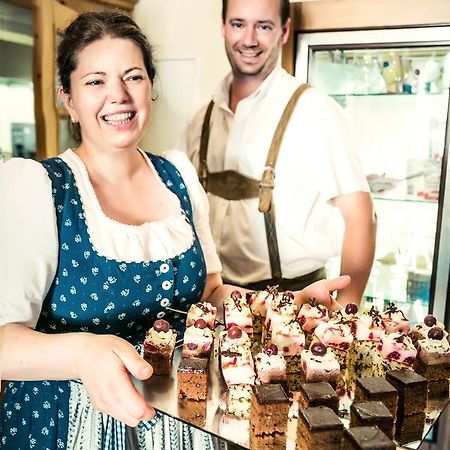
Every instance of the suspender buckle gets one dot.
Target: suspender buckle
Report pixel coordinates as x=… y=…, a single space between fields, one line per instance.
x=265 y=189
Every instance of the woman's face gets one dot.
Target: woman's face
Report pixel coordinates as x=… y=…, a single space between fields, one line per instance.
x=110 y=94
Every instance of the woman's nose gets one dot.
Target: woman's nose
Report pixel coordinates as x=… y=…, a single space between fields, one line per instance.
x=118 y=92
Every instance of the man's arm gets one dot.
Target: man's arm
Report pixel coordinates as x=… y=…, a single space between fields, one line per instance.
x=358 y=246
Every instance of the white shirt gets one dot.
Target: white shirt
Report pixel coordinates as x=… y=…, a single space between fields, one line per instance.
x=29 y=239
x=317 y=162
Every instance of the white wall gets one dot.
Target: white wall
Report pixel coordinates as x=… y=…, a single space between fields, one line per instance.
x=190 y=58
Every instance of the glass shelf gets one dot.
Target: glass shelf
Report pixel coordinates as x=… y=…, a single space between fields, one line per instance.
x=391 y=94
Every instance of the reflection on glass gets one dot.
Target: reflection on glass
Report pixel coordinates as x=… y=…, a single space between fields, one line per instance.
x=17 y=122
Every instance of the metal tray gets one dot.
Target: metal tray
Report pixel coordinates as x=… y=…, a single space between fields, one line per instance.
x=211 y=415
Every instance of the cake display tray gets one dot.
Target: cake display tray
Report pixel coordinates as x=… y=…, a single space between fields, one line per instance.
x=211 y=415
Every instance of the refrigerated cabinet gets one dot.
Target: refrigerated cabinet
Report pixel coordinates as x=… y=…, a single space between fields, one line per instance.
x=394 y=88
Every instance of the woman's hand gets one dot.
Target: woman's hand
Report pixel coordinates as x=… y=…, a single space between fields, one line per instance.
x=321 y=290
x=103 y=363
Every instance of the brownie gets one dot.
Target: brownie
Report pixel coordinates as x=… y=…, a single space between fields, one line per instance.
x=319 y=427
x=377 y=389
x=192 y=411
x=318 y=394
x=193 y=378
x=366 y=413
x=269 y=409
x=409 y=428
x=433 y=371
x=438 y=389
x=366 y=438
x=412 y=391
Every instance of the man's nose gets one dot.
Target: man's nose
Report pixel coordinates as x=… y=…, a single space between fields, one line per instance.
x=250 y=39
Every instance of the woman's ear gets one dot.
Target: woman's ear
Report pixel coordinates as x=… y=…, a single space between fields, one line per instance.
x=66 y=99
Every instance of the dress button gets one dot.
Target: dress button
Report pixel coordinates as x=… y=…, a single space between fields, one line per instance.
x=166 y=285
x=164 y=302
x=160 y=315
x=164 y=268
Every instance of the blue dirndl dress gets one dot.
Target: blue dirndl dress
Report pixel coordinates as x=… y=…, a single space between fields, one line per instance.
x=96 y=294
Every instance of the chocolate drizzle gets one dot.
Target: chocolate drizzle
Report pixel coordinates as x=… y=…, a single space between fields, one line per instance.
x=392 y=309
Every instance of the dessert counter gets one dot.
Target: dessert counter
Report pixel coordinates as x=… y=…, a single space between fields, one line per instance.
x=213 y=415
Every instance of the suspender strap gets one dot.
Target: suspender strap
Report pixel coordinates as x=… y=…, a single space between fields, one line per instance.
x=234 y=186
x=267 y=184
x=204 y=139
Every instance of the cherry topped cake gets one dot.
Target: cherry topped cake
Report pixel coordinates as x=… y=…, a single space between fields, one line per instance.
x=198 y=340
x=270 y=365
x=202 y=310
x=320 y=364
x=394 y=320
x=237 y=312
x=312 y=314
x=420 y=331
x=159 y=344
x=259 y=301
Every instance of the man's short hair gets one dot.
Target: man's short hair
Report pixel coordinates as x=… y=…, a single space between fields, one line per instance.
x=284 y=11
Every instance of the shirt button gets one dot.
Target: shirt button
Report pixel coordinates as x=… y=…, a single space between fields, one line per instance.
x=164 y=268
x=164 y=302
x=160 y=315
x=166 y=285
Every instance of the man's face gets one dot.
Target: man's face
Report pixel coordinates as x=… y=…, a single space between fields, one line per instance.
x=253 y=36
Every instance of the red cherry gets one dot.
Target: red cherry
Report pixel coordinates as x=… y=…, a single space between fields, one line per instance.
x=271 y=349
x=207 y=347
x=436 y=333
x=345 y=346
x=200 y=323
x=430 y=320
x=285 y=349
x=410 y=360
x=318 y=349
x=234 y=333
x=351 y=308
x=192 y=346
x=393 y=355
x=230 y=325
x=235 y=294
x=161 y=325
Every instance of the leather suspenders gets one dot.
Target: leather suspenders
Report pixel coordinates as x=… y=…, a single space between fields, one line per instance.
x=232 y=185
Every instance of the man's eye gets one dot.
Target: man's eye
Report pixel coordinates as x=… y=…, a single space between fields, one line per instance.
x=237 y=25
x=265 y=27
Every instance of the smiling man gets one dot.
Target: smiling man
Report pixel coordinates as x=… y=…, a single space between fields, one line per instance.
x=286 y=188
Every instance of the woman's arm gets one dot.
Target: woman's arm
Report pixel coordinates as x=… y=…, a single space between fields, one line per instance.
x=102 y=362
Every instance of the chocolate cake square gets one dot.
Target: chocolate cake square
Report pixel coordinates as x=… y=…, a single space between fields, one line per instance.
x=193 y=378
x=409 y=428
x=269 y=409
x=319 y=428
x=412 y=391
x=366 y=438
x=366 y=413
x=377 y=388
x=438 y=389
x=433 y=371
x=192 y=411
x=318 y=394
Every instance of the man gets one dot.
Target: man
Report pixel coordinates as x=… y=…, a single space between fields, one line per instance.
x=278 y=221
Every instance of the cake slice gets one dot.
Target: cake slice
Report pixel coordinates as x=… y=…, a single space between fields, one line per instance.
x=259 y=301
x=237 y=312
x=159 y=345
x=312 y=314
x=269 y=409
x=409 y=428
x=202 y=310
x=319 y=428
x=198 y=340
x=366 y=413
x=412 y=391
x=421 y=330
x=394 y=320
x=395 y=351
x=377 y=389
x=290 y=341
x=270 y=365
x=366 y=438
x=319 y=364
x=193 y=378
x=238 y=400
x=318 y=394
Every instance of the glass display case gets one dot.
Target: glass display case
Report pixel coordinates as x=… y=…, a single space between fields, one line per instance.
x=394 y=88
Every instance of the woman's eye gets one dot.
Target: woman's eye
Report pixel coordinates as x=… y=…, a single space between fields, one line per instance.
x=135 y=78
x=94 y=82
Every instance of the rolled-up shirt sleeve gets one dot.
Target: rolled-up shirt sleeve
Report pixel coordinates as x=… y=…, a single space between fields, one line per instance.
x=200 y=207
x=28 y=240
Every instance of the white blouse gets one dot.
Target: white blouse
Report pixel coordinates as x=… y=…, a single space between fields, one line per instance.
x=29 y=236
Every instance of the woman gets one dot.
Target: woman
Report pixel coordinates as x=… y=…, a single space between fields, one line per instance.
x=99 y=243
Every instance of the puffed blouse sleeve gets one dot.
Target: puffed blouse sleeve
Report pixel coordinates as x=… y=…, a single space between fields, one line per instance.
x=200 y=208
x=28 y=240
